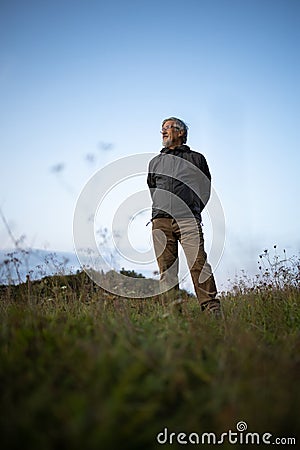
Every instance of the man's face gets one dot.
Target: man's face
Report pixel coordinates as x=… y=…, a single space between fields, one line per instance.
x=171 y=135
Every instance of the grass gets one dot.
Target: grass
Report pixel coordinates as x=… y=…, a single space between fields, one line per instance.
x=81 y=369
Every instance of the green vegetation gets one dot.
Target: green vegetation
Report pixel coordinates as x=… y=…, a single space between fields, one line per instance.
x=81 y=369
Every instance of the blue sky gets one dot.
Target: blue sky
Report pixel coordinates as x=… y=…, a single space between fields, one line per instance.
x=78 y=75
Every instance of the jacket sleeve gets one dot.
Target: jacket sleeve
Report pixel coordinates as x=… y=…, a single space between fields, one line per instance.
x=151 y=179
x=205 y=181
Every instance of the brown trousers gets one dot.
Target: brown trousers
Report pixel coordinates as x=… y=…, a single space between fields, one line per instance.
x=166 y=233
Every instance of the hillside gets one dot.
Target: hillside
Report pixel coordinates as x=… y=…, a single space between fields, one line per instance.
x=81 y=368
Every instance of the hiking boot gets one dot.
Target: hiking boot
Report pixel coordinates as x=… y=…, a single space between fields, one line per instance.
x=213 y=308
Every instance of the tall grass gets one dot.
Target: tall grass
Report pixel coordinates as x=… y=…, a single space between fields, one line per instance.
x=81 y=369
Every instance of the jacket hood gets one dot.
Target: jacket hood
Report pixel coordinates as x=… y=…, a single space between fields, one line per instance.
x=180 y=148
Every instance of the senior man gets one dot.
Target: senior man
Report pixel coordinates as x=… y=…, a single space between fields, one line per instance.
x=179 y=181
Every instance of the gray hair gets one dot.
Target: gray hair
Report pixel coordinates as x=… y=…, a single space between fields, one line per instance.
x=181 y=125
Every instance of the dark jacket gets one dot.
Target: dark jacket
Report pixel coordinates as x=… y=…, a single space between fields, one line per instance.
x=179 y=183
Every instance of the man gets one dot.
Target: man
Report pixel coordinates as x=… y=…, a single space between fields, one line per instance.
x=179 y=182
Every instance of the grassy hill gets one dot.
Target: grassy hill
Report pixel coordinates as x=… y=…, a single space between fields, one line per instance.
x=82 y=369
